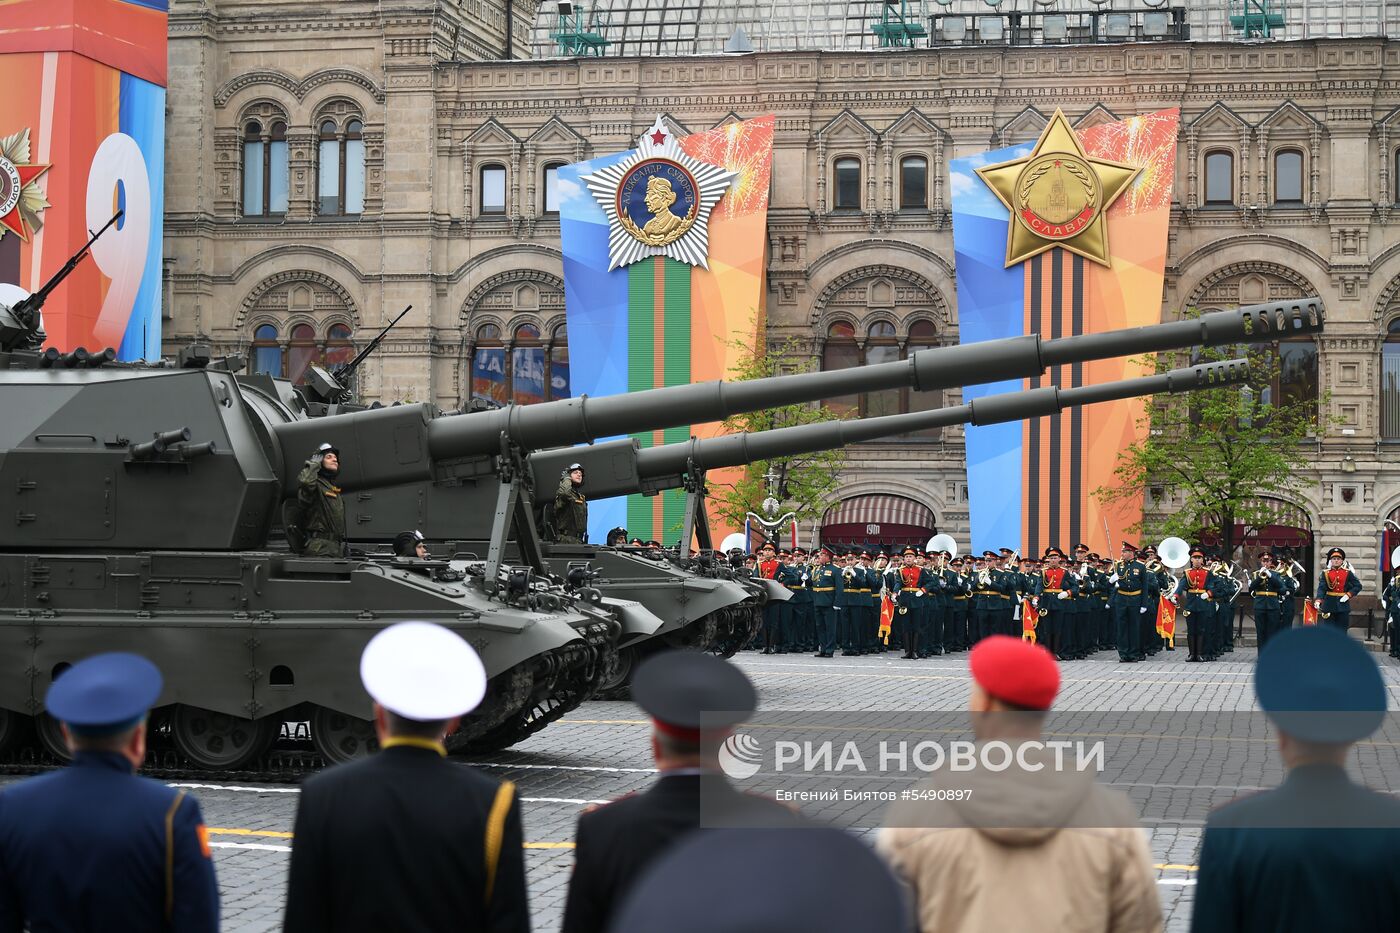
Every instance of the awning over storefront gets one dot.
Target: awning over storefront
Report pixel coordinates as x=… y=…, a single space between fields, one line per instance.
x=878 y=521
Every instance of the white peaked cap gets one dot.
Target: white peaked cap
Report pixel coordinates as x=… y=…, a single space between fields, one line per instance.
x=422 y=671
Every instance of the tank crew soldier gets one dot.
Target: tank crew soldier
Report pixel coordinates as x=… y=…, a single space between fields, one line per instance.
x=826 y=591
x=1336 y=589
x=410 y=544
x=617 y=537
x=1132 y=591
x=405 y=839
x=1318 y=852
x=571 y=507
x=1266 y=588
x=94 y=846
x=1197 y=603
x=681 y=691
x=321 y=522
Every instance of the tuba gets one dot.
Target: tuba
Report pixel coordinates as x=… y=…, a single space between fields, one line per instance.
x=1174 y=552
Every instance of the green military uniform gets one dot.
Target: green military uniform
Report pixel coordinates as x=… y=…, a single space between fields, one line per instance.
x=570 y=512
x=323 y=512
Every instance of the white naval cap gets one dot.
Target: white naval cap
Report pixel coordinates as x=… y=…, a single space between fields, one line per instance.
x=422 y=671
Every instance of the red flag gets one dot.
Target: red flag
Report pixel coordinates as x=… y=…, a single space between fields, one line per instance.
x=1166 y=618
x=1309 y=612
x=1030 y=617
x=886 y=617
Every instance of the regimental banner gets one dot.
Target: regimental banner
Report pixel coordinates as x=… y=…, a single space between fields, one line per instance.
x=82 y=134
x=1066 y=235
x=664 y=249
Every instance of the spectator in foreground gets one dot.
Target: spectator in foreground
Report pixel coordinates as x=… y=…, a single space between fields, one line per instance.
x=406 y=840
x=811 y=881
x=1319 y=852
x=1027 y=849
x=95 y=847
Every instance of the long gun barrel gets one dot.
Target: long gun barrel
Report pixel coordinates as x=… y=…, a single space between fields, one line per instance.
x=19 y=327
x=396 y=445
x=620 y=468
x=343 y=370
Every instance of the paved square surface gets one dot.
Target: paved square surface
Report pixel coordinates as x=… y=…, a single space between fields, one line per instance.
x=601 y=751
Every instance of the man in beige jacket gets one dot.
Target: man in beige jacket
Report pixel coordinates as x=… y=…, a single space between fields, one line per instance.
x=1029 y=847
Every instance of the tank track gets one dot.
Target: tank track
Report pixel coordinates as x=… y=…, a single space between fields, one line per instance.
x=523 y=701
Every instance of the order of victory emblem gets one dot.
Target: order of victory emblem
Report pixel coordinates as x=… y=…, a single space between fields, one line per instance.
x=21 y=199
x=658 y=201
x=1058 y=196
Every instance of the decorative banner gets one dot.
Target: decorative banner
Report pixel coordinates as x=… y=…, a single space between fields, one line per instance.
x=82 y=130
x=1084 y=252
x=664 y=251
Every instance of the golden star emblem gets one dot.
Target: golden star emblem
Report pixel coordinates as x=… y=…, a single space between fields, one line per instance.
x=1058 y=196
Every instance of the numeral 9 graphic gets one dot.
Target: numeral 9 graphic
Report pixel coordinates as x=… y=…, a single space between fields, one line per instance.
x=120 y=254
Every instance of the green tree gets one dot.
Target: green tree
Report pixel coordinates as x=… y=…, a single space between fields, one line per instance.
x=809 y=480
x=1221 y=450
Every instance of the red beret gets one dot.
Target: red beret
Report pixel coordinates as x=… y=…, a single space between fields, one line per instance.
x=1015 y=671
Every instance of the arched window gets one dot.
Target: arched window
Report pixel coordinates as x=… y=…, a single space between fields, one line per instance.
x=1390 y=383
x=881 y=347
x=923 y=336
x=340 y=180
x=1220 y=178
x=264 y=169
x=847 y=186
x=339 y=349
x=913 y=182
x=1288 y=176
x=559 y=364
x=267 y=352
x=488 y=366
x=301 y=352
x=842 y=351
x=527 y=375
x=493 y=189
x=551 y=187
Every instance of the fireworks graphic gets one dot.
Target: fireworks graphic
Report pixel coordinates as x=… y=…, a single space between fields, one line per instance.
x=1148 y=140
x=745 y=148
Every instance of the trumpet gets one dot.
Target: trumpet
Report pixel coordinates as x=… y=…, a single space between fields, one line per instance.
x=1154 y=566
x=1262 y=575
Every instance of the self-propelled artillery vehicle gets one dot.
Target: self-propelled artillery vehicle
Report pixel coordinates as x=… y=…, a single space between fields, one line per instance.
x=688 y=601
x=140 y=502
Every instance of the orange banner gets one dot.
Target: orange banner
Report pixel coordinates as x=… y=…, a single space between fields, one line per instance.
x=886 y=618
x=1166 y=618
x=1310 y=614
x=1030 y=618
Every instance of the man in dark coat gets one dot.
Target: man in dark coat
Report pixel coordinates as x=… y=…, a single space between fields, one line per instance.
x=406 y=840
x=616 y=843
x=1318 y=852
x=95 y=847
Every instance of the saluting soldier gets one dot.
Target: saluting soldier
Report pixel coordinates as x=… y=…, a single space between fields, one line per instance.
x=1336 y=589
x=1266 y=588
x=94 y=846
x=571 y=507
x=826 y=591
x=1131 y=593
x=1197 y=603
x=322 y=521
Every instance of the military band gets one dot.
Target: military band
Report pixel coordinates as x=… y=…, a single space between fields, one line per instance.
x=934 y=603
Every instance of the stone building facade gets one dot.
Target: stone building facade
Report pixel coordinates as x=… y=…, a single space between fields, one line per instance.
x=396 y=171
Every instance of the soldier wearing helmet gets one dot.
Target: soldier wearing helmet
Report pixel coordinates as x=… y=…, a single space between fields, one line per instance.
x=571 y=508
